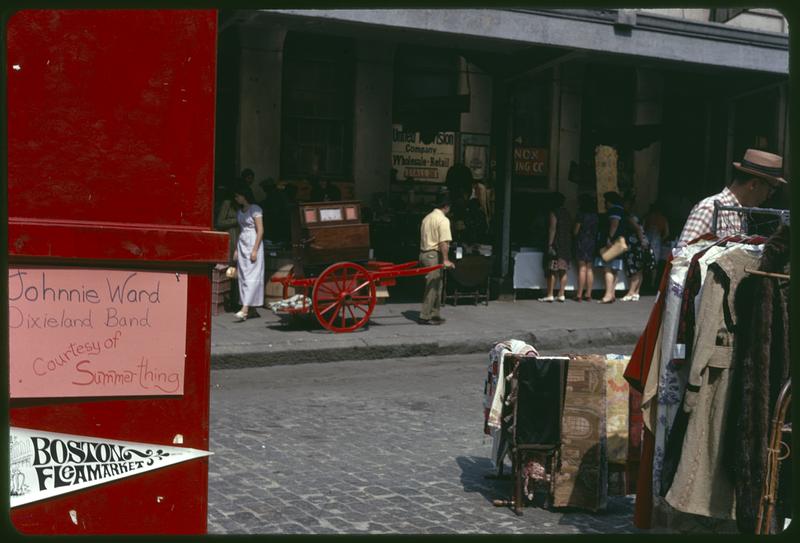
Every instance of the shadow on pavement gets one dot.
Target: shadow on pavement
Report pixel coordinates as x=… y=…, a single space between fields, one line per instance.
x=473 y=472
x=309 y=323
x=293 y=323
x=617 y=517
x=412 y=315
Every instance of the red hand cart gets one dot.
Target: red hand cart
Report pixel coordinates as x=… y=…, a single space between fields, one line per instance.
x=344 y=295
x=332 y=266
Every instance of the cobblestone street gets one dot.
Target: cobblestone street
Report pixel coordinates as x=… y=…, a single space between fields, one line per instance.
x=384 y=446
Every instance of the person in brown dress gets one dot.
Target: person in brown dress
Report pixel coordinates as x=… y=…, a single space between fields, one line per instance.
x=559 y=248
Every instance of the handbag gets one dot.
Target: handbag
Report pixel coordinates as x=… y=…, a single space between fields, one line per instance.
x=614 y=250
x=231 y=272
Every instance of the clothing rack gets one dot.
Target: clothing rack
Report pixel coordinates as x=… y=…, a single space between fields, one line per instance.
x=783 y=276
x=783 y=214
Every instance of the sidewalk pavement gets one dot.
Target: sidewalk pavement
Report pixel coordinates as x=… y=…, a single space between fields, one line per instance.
x=393 y=332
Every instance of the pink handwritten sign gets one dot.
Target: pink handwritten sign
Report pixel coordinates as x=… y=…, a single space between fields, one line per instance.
x=79 y=332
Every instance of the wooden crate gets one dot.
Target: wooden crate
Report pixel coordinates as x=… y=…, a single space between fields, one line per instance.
x=218 y=275
x=274 y=291
x=217 y=308
x=223 y=286
x=218 y=297
x=332 y=244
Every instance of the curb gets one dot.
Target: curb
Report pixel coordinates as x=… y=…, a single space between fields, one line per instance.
x=568 y=340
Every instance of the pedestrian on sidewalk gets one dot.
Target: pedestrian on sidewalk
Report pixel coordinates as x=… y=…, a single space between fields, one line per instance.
x=613 y=227
x=249 y=178
x=585 y=235
x=226 y=221
x=756 y=178
x=249 y=251
x=559 y=248
x=434 y=246
x=639 y=257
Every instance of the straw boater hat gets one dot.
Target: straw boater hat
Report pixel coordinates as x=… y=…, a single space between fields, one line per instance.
x=762 y=164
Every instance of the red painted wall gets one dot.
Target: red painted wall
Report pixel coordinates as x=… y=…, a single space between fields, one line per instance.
x=110 y=164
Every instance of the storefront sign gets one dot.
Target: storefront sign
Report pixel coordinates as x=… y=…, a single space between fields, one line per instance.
x=79 y=332
x=419 y=161
x=47 y=464
x=530 y=161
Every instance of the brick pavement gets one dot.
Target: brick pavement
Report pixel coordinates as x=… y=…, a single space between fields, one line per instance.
x=379 y=447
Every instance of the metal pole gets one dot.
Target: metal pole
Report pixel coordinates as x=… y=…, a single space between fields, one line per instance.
x=783 y=214
x=730 y=141
x=555 y=130
x=714 y=218
x=507 y=185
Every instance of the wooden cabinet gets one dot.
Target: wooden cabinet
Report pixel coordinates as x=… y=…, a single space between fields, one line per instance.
x=329 y=232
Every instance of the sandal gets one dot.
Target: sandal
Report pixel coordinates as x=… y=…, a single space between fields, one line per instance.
x=547 y=299
x=560 y=298
x=630 y=298
x=611 y=301
x=240 y=317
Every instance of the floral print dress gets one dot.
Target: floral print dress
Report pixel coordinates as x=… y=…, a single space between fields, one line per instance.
x=638 y=258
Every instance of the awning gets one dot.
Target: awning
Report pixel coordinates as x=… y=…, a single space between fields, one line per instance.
x=616 y=32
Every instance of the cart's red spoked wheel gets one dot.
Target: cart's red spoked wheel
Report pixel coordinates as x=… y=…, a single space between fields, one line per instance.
x=343 y=297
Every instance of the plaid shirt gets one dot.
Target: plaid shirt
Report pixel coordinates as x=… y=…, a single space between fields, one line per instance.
x=701 y=216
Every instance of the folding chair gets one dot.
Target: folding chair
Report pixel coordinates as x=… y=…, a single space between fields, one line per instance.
x=532 y=418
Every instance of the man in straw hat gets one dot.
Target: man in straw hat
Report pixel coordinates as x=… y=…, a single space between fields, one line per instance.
x=756 y=178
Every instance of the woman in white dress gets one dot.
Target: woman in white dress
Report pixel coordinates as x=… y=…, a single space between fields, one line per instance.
x=249 y=251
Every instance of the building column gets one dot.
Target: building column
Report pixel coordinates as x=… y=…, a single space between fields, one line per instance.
x=646 y=162
x=372 y=130
x=260 y=81
x=568 y=116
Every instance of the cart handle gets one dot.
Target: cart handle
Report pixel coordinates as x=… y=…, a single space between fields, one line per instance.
x=382 y=266
x=403 y=272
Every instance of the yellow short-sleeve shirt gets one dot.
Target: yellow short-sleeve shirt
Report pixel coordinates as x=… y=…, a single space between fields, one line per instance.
x=434 y=230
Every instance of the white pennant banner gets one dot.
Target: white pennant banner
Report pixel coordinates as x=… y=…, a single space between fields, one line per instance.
x=47 y=464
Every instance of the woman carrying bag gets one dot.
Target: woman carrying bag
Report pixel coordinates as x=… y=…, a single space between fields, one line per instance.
x=612 y=244
x=639 y=257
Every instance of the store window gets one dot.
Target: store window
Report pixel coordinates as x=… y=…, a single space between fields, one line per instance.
x=426 y=95
x=531 y=134
x=530 y=153
x=317 y=116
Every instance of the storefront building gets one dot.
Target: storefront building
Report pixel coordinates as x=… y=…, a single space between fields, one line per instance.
x=383 y=102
